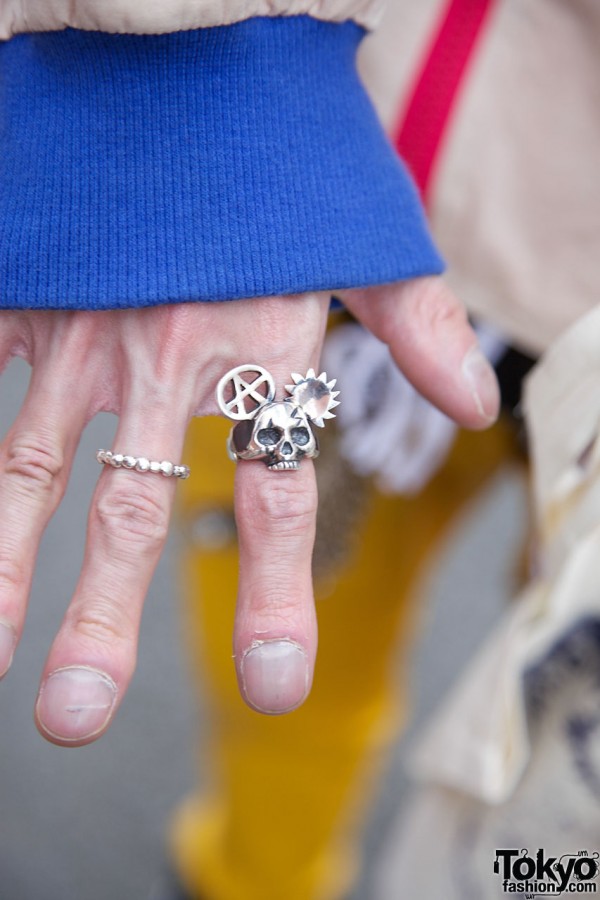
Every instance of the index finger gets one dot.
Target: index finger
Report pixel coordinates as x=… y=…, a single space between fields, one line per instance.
x=433 y=344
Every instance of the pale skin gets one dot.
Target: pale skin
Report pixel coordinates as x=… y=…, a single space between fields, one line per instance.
x=156 y=368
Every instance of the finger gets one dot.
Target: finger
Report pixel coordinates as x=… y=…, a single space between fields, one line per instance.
x=35 y=461
x=275 y=638
x=429 y=336
x=275 y=633
x=93 y=656
x=12 y=338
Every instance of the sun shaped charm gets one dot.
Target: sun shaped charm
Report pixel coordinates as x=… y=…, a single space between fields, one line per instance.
x=315 y=395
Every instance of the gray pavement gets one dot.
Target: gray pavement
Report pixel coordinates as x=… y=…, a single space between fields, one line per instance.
x=88 y=824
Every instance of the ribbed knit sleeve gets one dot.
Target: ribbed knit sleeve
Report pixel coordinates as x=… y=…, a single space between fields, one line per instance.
x=213 y=164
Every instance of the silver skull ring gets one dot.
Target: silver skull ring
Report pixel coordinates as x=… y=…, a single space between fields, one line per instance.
x=280 y=432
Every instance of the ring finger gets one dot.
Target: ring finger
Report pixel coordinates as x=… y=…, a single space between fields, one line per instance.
x=93 y=655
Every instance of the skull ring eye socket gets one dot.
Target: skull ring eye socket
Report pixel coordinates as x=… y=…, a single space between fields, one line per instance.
x=300 y=436
x=268 y=437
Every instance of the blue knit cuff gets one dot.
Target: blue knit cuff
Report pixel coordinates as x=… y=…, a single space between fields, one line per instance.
x=215 y=164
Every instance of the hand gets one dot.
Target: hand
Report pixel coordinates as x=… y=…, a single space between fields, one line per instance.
x=156 y=368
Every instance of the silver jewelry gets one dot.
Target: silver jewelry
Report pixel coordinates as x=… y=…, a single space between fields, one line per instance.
x=141 y=464
x=279 y=432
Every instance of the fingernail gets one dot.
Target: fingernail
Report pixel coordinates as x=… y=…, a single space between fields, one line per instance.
x=8 y=642
x=275 y=676
x=76 y=703
x=482 y=383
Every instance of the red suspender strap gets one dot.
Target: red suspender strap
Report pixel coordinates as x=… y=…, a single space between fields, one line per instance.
x=419 y=135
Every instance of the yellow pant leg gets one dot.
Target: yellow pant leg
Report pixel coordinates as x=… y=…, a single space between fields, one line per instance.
x=279 y=816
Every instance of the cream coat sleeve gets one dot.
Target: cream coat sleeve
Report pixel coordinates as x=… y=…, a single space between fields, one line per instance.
x=163 y=16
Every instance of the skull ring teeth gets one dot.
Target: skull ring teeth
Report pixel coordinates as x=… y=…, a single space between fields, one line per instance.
x=280 y=432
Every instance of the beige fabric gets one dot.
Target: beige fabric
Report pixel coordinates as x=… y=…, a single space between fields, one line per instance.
x=516 y=210
x=389 y=57
x=562 y=405
x=159 y=16
x=516 y=201
x=482 y=727
x=511 y=759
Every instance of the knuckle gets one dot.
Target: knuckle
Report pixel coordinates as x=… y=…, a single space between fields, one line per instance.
x=434 y=305
x=136 y=516
x=271 y=329
x=283 y=507
x=176 y=342
x=35 y=461
x=99 y=623
x=12 y=575
x=276 y=606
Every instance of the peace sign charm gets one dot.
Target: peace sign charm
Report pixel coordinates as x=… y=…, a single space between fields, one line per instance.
x=239 y=397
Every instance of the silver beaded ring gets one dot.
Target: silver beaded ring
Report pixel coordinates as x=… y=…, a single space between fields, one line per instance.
x=142 y=464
